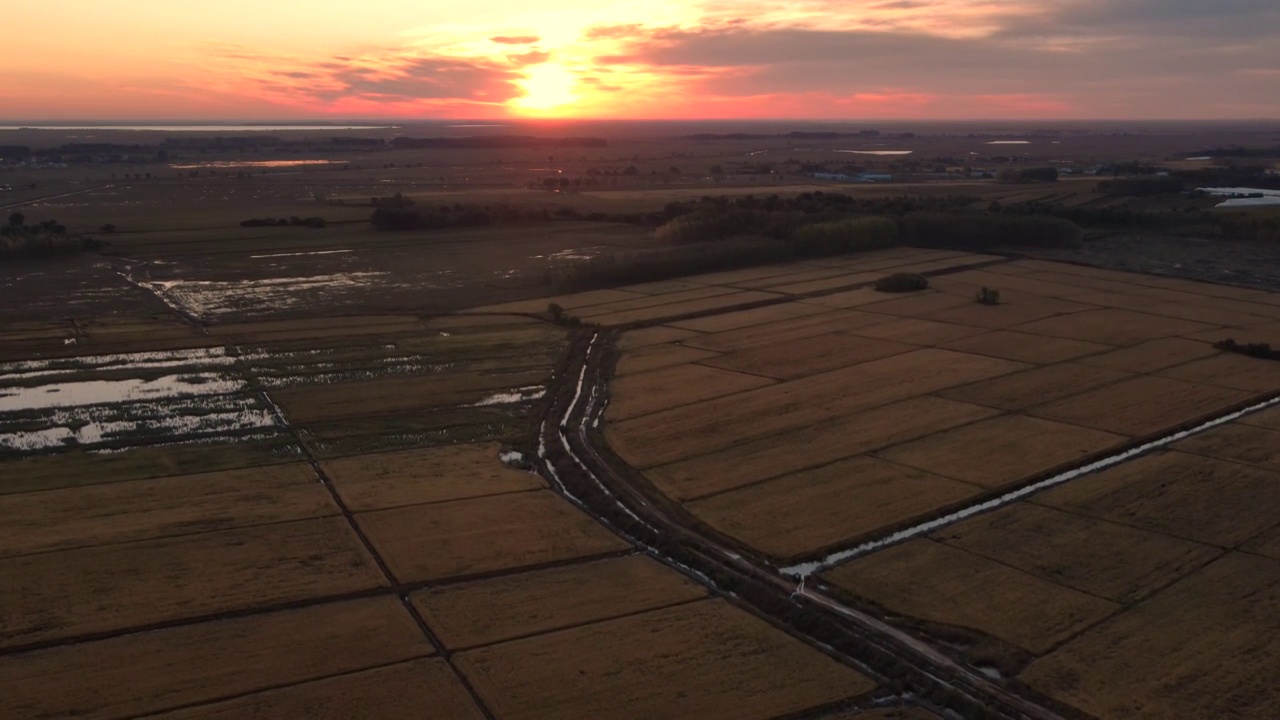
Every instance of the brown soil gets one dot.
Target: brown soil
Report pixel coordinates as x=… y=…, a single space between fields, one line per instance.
x=746 y=318
x=1101 y=558
x=1236 y=441
x=1013 y=448
x=683 y=432
x=1142 y=406
x=113 y=587
x=659 y=356
x=1206 y=648
x=413 y=477
x=142 y=509
x=1152 y=355
x=706 y=660
x=801 y=514
x=1111 y=326
x=649 y=392
x=807 y=447
x=483 y=535
x=151 y=672
x=1209 y=501
x=512 y=606
x=426 y=689
x=1020 y=391
x=930 y=581
x=1024 y=347
x=808 y=356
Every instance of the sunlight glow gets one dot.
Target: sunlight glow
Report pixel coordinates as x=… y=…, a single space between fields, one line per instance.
x=549 y=89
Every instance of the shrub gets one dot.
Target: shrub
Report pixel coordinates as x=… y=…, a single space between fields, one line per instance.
x=902 y=283
x=1256 y=350
x=842 y=236
x=988 y=296
x=666 y=263
x=981 y=231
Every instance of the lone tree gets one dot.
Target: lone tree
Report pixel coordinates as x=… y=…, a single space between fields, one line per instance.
x=17 y=220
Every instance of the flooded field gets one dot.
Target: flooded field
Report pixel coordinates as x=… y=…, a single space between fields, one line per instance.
x=125 y=399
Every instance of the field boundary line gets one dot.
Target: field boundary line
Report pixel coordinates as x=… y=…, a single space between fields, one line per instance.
x=809 y=568
x=588 y=623
x=372 y=550
x=275 y=688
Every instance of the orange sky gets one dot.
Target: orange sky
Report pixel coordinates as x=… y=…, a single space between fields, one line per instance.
x=837 y=59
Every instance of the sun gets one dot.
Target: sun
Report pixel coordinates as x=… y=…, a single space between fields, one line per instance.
x=548 y=89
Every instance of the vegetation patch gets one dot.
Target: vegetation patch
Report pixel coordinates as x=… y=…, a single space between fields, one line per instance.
x=988 y=296
x=1262 y=351
x=902 y=283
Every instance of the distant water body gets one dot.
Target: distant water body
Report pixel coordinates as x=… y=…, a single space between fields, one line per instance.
x=199 y=128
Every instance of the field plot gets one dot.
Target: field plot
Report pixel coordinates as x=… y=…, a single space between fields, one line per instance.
x=688 y=307
x=824 y=352
x=1142 y=406
x=643 y=302
x=141 y=509
x=1014 y=311
x=1236 y=441
x=113 y=399
x=1207 y=647
x=915 y=331
x=1209 y=501
x=665 y=388
x=660 y=356
x=425 y=689
x=1014 y=448
x=1114 y=327
x=425 y=475
x=1027 y=348
x=801 y=514
x=76 y=468
x=657 y=335
x=746 y=338
x=1102 y=558
x=1233 y=371
x=968 y=591
x=1020 y=391
x=484 y=535
x=687 y=661
x=807 y=447
x=112 y=587
x=152 y=672
x=1151 y=356
x=484 y=612
x=1267 y=419
x=306 y=405
x=746 y=318
x=675 y=434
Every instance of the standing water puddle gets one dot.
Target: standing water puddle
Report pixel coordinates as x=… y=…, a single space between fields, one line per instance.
x=162 y=396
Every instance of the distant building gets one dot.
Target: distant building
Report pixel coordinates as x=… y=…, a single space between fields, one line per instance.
x=832 y=176
x=873 y=177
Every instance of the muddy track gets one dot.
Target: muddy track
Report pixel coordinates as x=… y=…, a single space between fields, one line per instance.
x=572 y=456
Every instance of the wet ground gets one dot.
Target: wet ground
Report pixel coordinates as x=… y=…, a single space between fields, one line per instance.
x=1228 y=262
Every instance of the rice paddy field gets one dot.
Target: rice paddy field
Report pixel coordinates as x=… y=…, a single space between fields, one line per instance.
x=331 y=516
x=247 y=512
x=834 y=416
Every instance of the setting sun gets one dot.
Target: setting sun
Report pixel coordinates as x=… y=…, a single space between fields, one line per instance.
x=548 y=88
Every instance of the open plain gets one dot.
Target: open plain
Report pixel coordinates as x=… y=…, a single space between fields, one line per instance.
x=294 y=471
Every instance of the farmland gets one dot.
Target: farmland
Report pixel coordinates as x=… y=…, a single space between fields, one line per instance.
x=844 y=431
x=296 y=471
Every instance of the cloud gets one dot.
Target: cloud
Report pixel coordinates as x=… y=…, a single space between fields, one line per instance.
x=534 y=57
x=515 y=39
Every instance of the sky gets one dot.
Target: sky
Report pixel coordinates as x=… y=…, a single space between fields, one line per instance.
x=643 y=59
